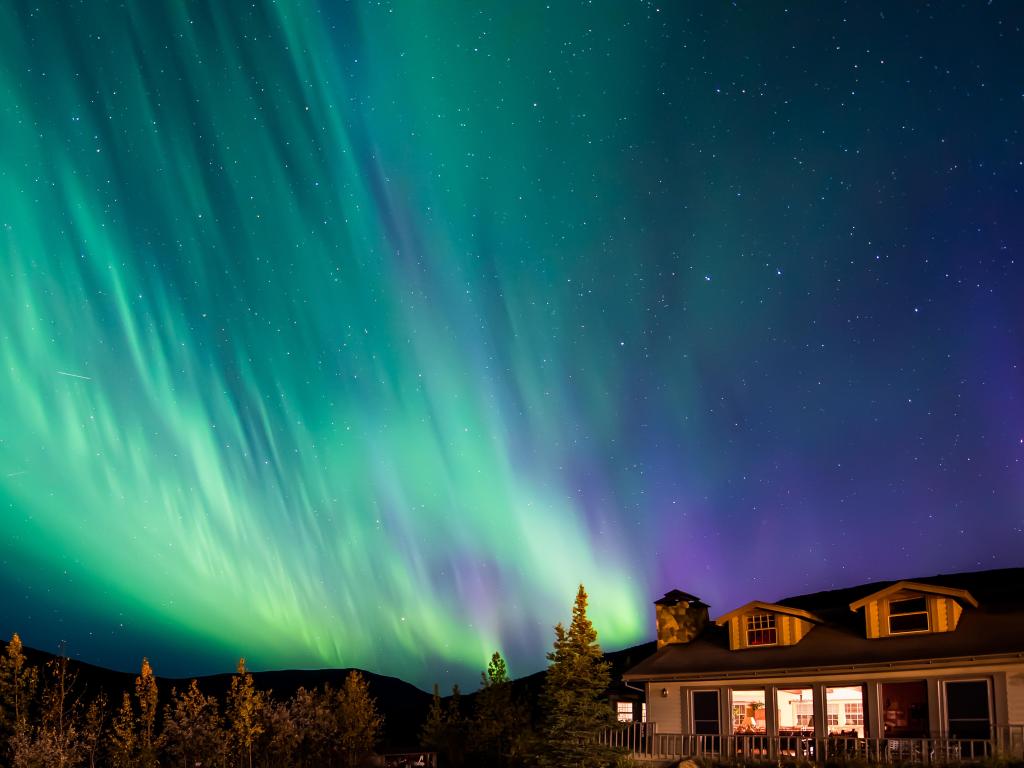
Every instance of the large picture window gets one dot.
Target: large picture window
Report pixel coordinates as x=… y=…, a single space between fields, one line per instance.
x=909 y=615
x=748 y=713
x=795 y=710
x=845 y=708
x=761 y=629
x=905 y=710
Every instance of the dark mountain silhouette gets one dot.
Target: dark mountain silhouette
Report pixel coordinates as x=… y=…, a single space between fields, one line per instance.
x=403 y=705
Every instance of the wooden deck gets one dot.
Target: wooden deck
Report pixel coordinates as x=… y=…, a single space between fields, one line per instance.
x=643 y=742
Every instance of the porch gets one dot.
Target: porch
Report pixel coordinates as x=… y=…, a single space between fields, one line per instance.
x=643 y=742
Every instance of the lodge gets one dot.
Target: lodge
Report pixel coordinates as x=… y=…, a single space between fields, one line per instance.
x=920 y=670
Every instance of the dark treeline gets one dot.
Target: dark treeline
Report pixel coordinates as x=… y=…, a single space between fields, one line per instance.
x=46 y=721
x=49 y=720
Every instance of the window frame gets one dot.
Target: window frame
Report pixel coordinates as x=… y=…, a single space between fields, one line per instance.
x=731 y=693
x=944 y=705
x=771 y=626
x=853 y=712
x=889 y=615
x=693 y=711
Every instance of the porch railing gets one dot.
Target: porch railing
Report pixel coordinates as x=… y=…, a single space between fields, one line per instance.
x=643 y=741
x=410 y=760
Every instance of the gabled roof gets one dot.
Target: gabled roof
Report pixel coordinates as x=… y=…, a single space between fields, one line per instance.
x=995 y=628
x=757 y=605
x=915 y=586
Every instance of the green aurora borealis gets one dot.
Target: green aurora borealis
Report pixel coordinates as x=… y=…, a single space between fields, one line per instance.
x=358 y=335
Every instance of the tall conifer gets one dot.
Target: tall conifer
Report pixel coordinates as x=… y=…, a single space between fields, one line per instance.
x=499 y=721
x=576 y=681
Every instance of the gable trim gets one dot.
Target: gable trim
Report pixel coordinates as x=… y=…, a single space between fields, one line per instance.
x=914 y=586
x=758 y=605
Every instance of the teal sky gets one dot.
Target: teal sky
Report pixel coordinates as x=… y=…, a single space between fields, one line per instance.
x=359 y=334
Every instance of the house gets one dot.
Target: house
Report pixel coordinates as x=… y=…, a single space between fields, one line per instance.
x=921 y=669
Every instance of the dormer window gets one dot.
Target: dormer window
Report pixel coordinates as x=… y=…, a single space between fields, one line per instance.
x=908 y=616
x=761 y=629
x=911 y=607
x=760 y=625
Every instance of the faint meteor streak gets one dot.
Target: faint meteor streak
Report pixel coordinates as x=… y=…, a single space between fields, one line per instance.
x=16 y=474
x=75 y=375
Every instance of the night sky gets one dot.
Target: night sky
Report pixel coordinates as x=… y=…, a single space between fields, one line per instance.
x=359 y=334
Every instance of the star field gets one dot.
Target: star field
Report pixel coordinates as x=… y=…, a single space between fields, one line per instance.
x=359 y=334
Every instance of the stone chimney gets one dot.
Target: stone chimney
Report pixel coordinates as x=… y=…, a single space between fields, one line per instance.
x=681 y=617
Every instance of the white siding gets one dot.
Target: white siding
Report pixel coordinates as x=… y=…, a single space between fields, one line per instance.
x=664 y=711
x=1015 y=697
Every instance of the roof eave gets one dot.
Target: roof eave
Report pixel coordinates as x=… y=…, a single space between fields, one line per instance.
x=827 y=669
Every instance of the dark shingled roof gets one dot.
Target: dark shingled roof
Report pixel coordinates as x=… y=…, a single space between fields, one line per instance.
x=995 y=627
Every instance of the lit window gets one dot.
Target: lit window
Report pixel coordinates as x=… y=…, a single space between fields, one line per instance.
x=761 y=629
x=804 y=713
x=908 y=615
x=854 y=712
x=624 y=711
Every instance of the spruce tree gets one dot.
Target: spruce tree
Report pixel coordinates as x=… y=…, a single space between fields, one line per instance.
x=499 y=721
x=432 y=734
x=576 y=681
x=456 y=729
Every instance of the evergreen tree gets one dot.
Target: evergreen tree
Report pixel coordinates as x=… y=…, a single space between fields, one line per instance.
x=359 y=723
x=456 y=729
x=146 y=696
x=446 y=729
x=499 y=721
x=123 y=741
x=245 y=713
x=576 y=681
x=432 y=734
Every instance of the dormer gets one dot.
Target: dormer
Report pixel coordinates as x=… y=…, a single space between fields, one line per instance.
x=911 y=608
x=760 y=625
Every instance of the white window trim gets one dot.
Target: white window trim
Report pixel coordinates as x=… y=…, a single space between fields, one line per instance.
x=944 y=701
x=692 y=713
x=732 y=705
x=748 y=629
x=926 y=612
